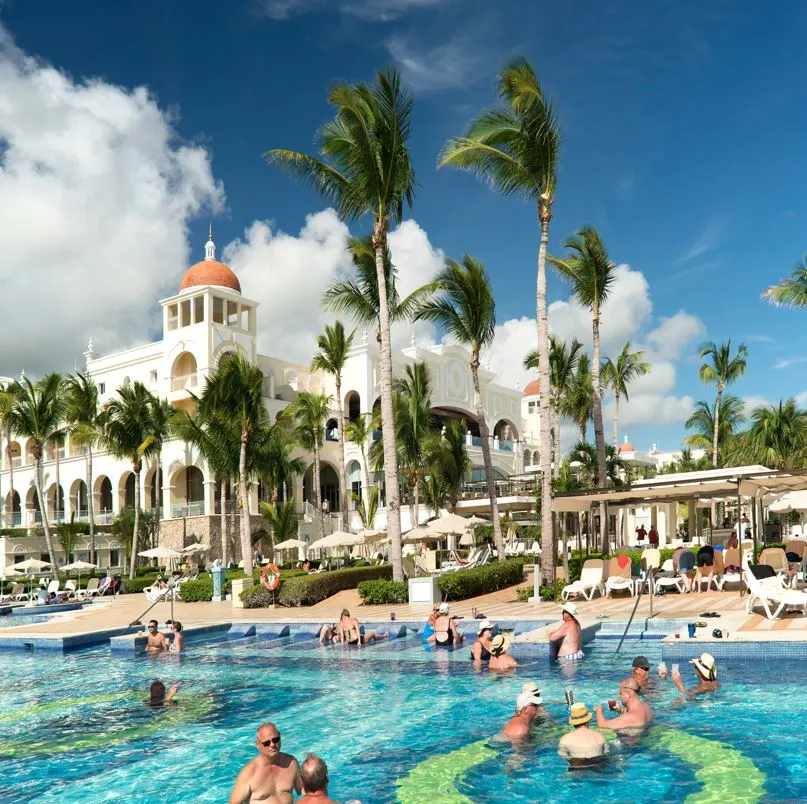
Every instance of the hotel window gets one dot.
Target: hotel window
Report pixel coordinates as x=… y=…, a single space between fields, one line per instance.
x=245 y=318
x=101 y=387
x=185 y=313
x=173 y=319
x=153 y=377
x=218 y=311
x=232 y=314
x=114 y=558
x=531 y=407
x=198 y=309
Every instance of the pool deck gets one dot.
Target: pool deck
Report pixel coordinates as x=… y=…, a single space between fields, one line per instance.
x=106 y=618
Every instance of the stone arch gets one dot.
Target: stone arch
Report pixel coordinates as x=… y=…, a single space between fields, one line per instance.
x=29 y=451
x=225 y=349
x=102 y=489
x=153 y=488
x=13 y=455
x=13 y=512
x=352 y=406
x=292 y=379
x=332 y=430
x=188 y=495
x=329 y=485
x=78 y=498
x=445 y=413
x=354 y=482
x=527 y=458
x=505 y=431
x=184 y=371
x=315 y=384
x=126 y=490
x=32 y=505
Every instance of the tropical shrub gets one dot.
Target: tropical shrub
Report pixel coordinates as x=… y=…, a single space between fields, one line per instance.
x=382 y=592
x=463 y=584
x=134 y=585
x=199 y=590
x=311 y=589
x=256 y=597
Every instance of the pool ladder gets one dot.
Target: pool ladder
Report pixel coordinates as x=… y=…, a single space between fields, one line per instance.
x=648 y=576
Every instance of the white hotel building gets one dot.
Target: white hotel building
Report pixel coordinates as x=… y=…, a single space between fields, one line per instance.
x=208 y=317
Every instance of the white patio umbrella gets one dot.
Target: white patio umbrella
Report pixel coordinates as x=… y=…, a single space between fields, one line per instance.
x=790 y=501
x=292 y=544
x=422 y=533
x=369 y=536
x=160 y=552
x=31 y=565
x=196 y=547
x=79 y=565
x=449 y=523
x=339 y=538
x=467 y=539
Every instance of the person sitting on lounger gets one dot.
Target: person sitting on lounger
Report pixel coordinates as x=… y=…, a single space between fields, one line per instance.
x=528 y=706
x=500 y=659
x=635 y=715
x=156 y=639
x=445 y=629
x=706 y=672
x=178 y=643
x=568 y=635
x=480 y=649
x=158 y=695
x=350 y=633
x=583 y=747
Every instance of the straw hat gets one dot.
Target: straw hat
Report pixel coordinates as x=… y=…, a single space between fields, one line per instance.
x=499 y=644
x=706 y=666
x=579 y=714
x=570 y=609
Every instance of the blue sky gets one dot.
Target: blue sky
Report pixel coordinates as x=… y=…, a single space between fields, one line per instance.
x=683 y=129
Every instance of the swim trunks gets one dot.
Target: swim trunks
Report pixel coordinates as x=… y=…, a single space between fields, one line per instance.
x=572 y=657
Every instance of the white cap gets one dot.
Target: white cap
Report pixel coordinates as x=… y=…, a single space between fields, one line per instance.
x=444 y=608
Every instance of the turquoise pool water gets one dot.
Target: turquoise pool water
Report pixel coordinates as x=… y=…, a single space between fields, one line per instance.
x=388 y=720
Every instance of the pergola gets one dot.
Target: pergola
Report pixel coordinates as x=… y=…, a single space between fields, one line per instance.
x=755 y=484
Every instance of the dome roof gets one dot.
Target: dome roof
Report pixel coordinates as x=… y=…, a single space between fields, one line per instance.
x=210 y=272
x=532 y=388
x=627 y=447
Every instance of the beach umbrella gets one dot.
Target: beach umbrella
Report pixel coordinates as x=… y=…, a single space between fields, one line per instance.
x=467 y=539
x=449 y=523
x=477 y=520
x=790 y=501
x=32 y=565
x=422 y=533
x=291 y=544
x=196 y=547
x=160 y=552
x=79 y=565
x=369 y=536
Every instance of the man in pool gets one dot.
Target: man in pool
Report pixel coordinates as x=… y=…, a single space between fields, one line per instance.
x=568 y=635
x=158 y=695
x=639 y=674
x=706 y=672
x=314 y=781
x=583 y=747
x=156 y=640
x=636 y=715
x=529 y=705
x=350 y=633
x=272 y=776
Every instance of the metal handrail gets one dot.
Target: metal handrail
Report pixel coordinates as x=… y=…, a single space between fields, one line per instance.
x=647 y=577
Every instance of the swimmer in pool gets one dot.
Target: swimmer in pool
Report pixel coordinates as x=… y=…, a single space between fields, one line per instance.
x=178 y=643
x=706 y=672
x=272 y=776
x=445 y=633
x=568 y=635
x=636 y=714
x=350 y=633
x=158 y=695
x=157 y=641
x=529 y=705
x=328 y=633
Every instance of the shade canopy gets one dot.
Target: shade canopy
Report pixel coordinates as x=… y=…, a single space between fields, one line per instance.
x=80 y=566
x=791 y=501
x=32 y=564
x=339 y=538
x=9 y=572
x=422 y=533
x=467 y=539
x=370 y=536
x=477 y=520
x=449 y=523
x=160 y=552
x=291 y=544
x=196 y=547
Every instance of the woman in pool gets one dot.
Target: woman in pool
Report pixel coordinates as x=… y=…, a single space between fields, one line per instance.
x=350 y=633
x=480 y=649
x=445 y=633
x=178 y=643
x=499 y=658
x=428 y=629
x=706 y=672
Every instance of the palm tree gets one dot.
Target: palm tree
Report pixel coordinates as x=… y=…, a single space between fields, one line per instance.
x=128 y=433
x=333 y=347
x=617 y=375
x=282 y=520
x=578 y=403
x=562 y=364
x=516 y=149
x=274 y=463
x=722 y=369
x=790 y=292
x=434 y=490
x=365 y=170
x=83 y=414
x=235 y=393
x=702 y=422
x=162 y=417
x=6 y=400
x=359 y=431
x=414 y=423
x=368 y=508
x=447 y=456
x=566 y=481
x=37 y=413
x=778 y=435
x=311 y=411
x=585 y=454
x=467 y=312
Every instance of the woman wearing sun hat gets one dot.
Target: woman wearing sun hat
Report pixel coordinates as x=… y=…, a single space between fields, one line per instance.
x=583 y=746
x=706 y=672
x=480 y=649
x=568 y=635
x=499 y=658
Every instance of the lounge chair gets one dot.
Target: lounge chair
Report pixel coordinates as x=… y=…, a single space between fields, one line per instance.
x=775 y=557
x=409 y=568
x=619 y=576
x=590 y=580
x=730 y=558
x=768 y=597
x=103 y=587
x=89 y=591
x=17 y=593
x=53 y=586
x=679 y=581
x=69 y=590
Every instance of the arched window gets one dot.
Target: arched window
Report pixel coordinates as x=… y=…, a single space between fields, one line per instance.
x=527 y=457
x=332 y=430
x=184 y=372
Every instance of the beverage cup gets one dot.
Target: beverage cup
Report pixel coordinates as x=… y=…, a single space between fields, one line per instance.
x=691 y=630
x=612 y=705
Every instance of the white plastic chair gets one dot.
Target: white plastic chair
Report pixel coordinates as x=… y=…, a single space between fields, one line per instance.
x=90 y=591
x=768 y=597
x=678 y=581
x=590 y=581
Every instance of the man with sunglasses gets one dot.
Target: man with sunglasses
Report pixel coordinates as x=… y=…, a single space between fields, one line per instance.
x=156 y=639
x=272 y=777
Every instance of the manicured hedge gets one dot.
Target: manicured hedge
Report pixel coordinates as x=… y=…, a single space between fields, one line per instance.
x=311 y=589
x=132 y=585
x=383 y=592
x=463 y=584
x=198 y=591
x=256 y=597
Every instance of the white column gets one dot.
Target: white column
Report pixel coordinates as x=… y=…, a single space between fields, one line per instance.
x=168 y=497
x=210 y=497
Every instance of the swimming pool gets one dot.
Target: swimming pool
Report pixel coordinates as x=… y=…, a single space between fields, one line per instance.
x=393 y=722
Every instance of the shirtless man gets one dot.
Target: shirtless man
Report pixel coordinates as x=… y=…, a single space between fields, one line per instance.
x=568 y=635
x=639 y=674
x=314 y=781
x=350 y=633
x=583 y=746
x=636 y=714
x=328 y=633
x=272 y=776
x=156 y=640
x=705 y=670
x=528 y=706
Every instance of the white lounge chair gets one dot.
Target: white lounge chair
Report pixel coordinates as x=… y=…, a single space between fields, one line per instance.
x=619 y=577
x=775 y=557
x=678 y=581
x=90 y=591
x=17 y=593
x=590 y=580
x=768 y=597
x=731 y=558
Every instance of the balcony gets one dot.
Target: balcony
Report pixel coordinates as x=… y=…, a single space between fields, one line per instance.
x=12 y=520
x=184 y=382
x=506 y=446
x=188 y=509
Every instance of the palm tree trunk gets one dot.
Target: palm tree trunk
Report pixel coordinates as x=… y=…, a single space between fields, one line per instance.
x=315 y=480
x=556 y=439
x=223 y=520
x=412 y=515
x=387 y=415
x=565 y=535
x=582 y=425
x=545 y=457
x=57 y=494
x=11 y=475
x=416 y=497
x=498 y=540
x=716 y=426
x=616 y=420
x=90 y=505
x=599 y=430
x=246 y=534
x=158 y=477
x=43 y=511
x=136 y=528
x=343 y=495
x=365 y=462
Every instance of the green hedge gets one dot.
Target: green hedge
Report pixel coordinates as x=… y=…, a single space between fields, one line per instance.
x=463 y=584
x=133 y=585
x=198 y=591
x=256 y=597
x=311 y=589
x=14 y=533
x=383 y=592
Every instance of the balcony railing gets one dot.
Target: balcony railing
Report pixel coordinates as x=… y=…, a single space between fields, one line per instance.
x=188 y=509
x=506 y=446
x=183 y=382
x=476 y=441
x=12 y=519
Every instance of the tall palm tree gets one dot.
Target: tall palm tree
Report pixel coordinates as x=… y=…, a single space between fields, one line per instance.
x=365 y=169
x=282 y=521
x=618 y=374
x=414 y=423
x=6 y=400
x=235 y=393
x=162 y=417
x=702 y=423
x=37 y=413
x=516 y=149
x=562 y=364
x=274 y=463
x=465 y=308
x=777 y=437
x=578 y=403
x=447 y=456
x=333 y=345
x=128 y=433
x=434 y=491
x=790 y=292
x=310 y=412
x=359 y=432
x=722 y=369
x=83 y=414
x=585 y=454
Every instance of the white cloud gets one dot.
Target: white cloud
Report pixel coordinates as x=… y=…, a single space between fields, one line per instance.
x=673 y=335
x=369 y=10
x=751 y=402
x=450 y=64
x=707 y=240
x=95 y=194
x=643 y=409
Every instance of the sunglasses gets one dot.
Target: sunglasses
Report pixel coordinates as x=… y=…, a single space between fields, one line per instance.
x=270 y=741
